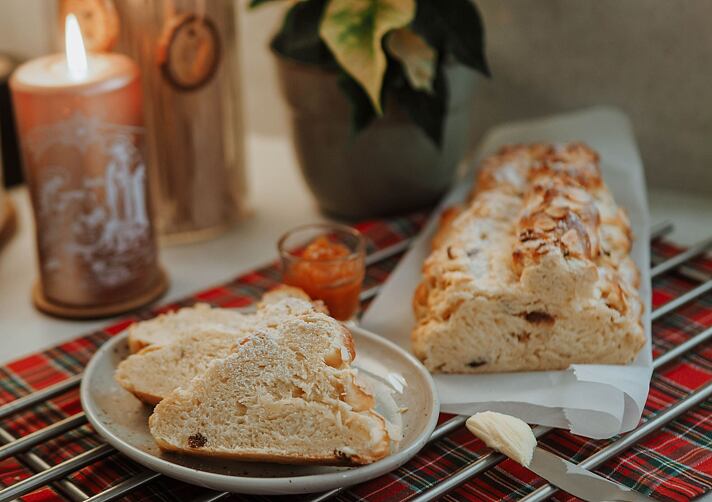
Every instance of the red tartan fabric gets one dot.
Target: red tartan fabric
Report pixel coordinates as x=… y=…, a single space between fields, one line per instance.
x=674 y=463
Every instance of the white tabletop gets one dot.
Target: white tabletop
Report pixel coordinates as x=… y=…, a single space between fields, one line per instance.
x=279 y=199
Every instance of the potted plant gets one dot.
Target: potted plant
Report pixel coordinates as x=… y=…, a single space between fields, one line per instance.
x=380 y=93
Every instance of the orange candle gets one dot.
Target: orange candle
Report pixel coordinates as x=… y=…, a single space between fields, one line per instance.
x=79 y=118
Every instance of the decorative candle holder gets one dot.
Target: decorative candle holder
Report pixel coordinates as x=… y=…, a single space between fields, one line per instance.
x=82 y=143
x=187 y=51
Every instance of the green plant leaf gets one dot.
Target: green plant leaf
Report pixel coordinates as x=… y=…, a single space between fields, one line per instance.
x=453 y=26
x=427 y=110
x=354 y=30
x=416 y=56
x=298 y=38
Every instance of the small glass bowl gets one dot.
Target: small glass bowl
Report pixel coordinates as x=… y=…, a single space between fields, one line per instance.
x=308 y=262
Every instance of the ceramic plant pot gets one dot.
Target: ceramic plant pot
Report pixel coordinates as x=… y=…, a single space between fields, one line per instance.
x=388 y=168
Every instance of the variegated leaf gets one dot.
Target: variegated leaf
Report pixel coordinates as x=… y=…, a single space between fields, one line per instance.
x=354 y=31
x=416 y=56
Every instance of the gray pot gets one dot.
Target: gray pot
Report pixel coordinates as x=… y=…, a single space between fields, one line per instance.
x=391 y=166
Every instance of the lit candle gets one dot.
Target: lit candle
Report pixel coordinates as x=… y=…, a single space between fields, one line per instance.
x=80 y=123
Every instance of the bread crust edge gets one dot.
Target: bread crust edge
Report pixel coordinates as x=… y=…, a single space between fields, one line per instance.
x=332 y=460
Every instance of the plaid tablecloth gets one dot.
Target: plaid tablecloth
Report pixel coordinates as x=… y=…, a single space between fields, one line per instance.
x=674 y=463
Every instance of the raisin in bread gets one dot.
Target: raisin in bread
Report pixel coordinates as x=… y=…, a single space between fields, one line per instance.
x=532 y=272
x=285 y=394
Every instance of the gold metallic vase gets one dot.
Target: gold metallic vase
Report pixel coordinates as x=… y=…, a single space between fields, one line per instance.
x=187 y=51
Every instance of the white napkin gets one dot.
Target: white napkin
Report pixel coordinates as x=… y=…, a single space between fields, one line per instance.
x=596 y=401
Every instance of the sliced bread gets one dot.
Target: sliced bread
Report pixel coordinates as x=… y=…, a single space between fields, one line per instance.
x=168 y=327
x=286 y=394
x=157 y=369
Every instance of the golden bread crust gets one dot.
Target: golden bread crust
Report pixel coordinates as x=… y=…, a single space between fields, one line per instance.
x=532 y=271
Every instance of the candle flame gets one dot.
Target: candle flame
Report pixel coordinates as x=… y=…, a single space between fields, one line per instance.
x=74 y=48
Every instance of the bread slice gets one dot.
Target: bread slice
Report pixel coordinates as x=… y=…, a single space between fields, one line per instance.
x=284 y=291
x=533 y=272
x=167 y=327
x=157 y=369
x=286 y=394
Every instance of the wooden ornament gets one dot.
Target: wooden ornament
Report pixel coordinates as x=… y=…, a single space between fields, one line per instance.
x=189 y=51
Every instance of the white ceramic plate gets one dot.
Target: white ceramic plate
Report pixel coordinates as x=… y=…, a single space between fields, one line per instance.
x=122 y=420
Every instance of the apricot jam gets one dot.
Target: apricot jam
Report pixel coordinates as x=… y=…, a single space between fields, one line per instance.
x=328 y=270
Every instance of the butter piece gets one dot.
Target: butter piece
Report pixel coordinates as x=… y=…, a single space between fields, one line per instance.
x=504 y=433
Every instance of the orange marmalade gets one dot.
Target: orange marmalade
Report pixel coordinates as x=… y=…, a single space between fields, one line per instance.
x=328 y=271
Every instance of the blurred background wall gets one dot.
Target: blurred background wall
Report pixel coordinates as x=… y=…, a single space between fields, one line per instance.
x=26 y=27
x=652 y=58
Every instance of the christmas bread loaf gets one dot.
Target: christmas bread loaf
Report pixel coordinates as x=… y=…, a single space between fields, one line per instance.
x=532 y=272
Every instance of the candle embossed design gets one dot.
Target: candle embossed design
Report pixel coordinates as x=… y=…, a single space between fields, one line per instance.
x=81 y=128
x=99 y=222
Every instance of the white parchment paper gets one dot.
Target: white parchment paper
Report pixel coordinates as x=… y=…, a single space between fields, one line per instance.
x=596 y=401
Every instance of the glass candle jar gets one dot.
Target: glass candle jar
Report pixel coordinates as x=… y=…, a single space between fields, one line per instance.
x=327 y=261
